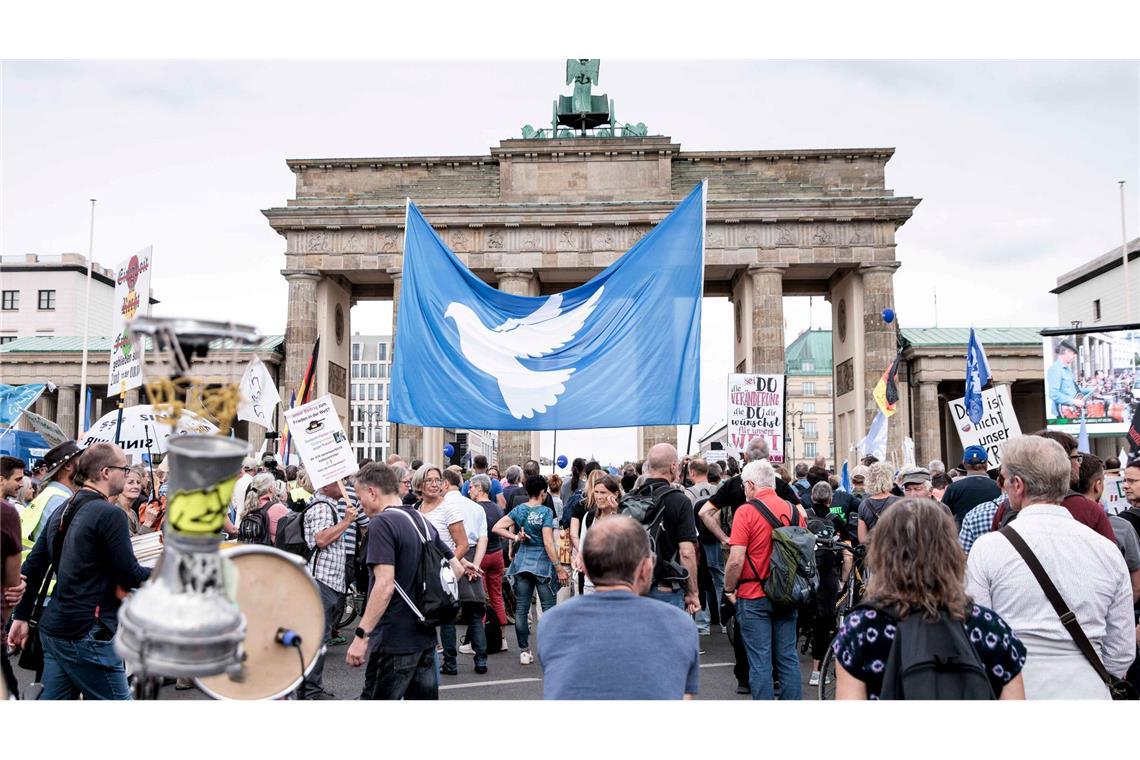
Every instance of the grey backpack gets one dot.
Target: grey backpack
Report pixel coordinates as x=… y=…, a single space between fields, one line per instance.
x=792 y=573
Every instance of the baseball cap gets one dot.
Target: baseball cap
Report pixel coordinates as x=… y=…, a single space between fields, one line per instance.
x=249 y=463
x=915 y=475
x=975 y=455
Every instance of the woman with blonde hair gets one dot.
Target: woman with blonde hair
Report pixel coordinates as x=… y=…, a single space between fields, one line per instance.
x=879 y=482
x=917 y=586
x=605 y=495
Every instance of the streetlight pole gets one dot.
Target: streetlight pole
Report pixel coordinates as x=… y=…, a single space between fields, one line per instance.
x=793 y=416
x=1124 y=255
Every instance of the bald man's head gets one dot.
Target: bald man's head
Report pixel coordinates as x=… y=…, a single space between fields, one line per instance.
x=661 y=459
x=613 y=551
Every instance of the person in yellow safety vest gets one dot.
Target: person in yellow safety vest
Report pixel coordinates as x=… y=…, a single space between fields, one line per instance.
x=301 y=490
x=57 y=489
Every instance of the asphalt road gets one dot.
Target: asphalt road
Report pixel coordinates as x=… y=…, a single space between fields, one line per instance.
x=506 y=678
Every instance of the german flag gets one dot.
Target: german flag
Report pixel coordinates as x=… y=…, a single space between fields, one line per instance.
x=886 y=392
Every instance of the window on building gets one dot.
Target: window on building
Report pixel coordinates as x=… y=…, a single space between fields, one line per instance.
x=826 y=390
x=373 y=370
x=47 y=300
x=1096 y=310
x=807 y=366
x=809 y=407
x=810 y=451
x=356 y=352
x=810 y=432
x=809 y=389
x=355 y=371
x=11 y=300
x=7 y=339
x=383 y=370
x=383 y=349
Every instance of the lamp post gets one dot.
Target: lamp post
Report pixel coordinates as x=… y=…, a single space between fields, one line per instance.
x=793 y=416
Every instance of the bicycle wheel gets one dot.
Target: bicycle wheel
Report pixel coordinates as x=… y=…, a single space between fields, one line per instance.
x=826 y=688
x=353 y=606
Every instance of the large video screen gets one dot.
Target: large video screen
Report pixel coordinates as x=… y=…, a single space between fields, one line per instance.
x=1094 y=374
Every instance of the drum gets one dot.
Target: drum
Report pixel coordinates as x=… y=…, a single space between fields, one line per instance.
x=1094 y=408
x=1117 y=411
x=274 y=591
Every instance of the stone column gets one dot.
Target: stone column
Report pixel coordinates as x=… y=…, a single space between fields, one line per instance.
x=515 y=446
x=67 y=409
x=648 y=437
x=880 y=346
x=300 y=328
x=410 y=444
x=928 y=424
x=767 y=322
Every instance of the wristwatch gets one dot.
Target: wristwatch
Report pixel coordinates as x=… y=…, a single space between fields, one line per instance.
x=361 y=633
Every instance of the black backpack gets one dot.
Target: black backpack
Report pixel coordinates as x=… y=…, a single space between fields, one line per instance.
x=435 y=592
x=647 y=508
x=572 y=501
x=934 y=661
x=254 y=528
x=1132 y=515
x=291 y=533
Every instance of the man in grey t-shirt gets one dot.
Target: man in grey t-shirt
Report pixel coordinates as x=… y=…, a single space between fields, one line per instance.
x=650 y=649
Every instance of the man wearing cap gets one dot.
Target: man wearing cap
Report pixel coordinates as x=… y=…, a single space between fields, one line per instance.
x=60 y=462
x=966 y=493
x=917 y=483
x=1060 y=383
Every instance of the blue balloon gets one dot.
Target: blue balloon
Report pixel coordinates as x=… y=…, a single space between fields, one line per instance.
x=562 y=460
x=448 y=451
x=888 y=315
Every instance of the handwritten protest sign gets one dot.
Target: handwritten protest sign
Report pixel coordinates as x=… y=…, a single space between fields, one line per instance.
x=997 y=425
x=132 y=297
x=756 y=408
x=321 y=441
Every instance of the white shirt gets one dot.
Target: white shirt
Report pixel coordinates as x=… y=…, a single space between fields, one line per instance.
x=474 y=516
x=1090 y=575
x=442 y=517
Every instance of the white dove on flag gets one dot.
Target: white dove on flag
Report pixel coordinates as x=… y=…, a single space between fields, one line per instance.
x=497 y=351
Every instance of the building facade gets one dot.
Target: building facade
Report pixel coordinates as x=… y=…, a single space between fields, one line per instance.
x=44 y=296
x=809 y=425
x=1095 y=293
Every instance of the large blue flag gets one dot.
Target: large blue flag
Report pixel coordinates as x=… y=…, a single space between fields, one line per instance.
x=977 y=375
x=621 y=350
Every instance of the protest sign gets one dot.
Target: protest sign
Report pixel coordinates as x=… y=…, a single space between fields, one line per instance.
x=321 y=441
x=51 y=432
x=132 y=297
x=997 y=425
x=756 y=408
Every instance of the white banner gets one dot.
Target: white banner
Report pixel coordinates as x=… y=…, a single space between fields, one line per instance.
x=132 y=297
x=51 y=432
x=321 y=441
x=998 y=423
x=258 y=395
x=756 y=408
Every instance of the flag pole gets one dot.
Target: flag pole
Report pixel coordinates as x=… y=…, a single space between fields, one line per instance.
x=87 y=321
x=1124 y=255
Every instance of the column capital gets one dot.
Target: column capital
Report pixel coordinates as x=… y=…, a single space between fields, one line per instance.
x=506 y=273
x=301 y=274
x=767 y=268
x=880 y=267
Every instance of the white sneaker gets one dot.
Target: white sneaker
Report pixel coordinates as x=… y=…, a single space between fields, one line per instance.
x=505 y=648
x=525 y=657
x=814 y=681
x=723 y=628
x=466 y=649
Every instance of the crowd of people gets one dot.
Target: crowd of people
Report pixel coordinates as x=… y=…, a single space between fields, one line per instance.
x=1021 y=570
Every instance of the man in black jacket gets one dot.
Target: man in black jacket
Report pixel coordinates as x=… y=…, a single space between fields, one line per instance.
x=94 y=564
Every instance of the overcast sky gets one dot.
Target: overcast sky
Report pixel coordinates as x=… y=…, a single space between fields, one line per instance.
x=1016 y=165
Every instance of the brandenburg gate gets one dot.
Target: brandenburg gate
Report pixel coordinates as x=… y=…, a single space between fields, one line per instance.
x=547 y=212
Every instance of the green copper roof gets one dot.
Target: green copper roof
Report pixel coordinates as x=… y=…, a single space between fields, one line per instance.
x=959 y=336
x=809 y=354
x=40 y=344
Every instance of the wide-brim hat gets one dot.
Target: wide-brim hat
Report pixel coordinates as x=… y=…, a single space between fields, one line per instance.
x=58 y=457
x=1066 y=343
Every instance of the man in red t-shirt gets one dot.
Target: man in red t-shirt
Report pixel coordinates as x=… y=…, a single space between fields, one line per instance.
x=763 y=627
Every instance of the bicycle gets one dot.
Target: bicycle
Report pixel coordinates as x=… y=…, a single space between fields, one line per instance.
x=849 y=597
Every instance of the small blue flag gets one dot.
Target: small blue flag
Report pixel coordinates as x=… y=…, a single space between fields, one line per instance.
x=977 y=375
x=14 y=399
x=845 y=479
x=1083 y=437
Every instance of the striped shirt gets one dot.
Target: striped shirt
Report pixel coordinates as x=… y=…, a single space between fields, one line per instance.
x=359 y=524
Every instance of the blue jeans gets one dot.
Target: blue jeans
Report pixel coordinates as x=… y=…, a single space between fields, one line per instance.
x=525 y=585
x=404 y=676
x=675 y=598
x=763 y=629
x=312 y=684
x=714 y=561
x=86 y=666
x=476 y=632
